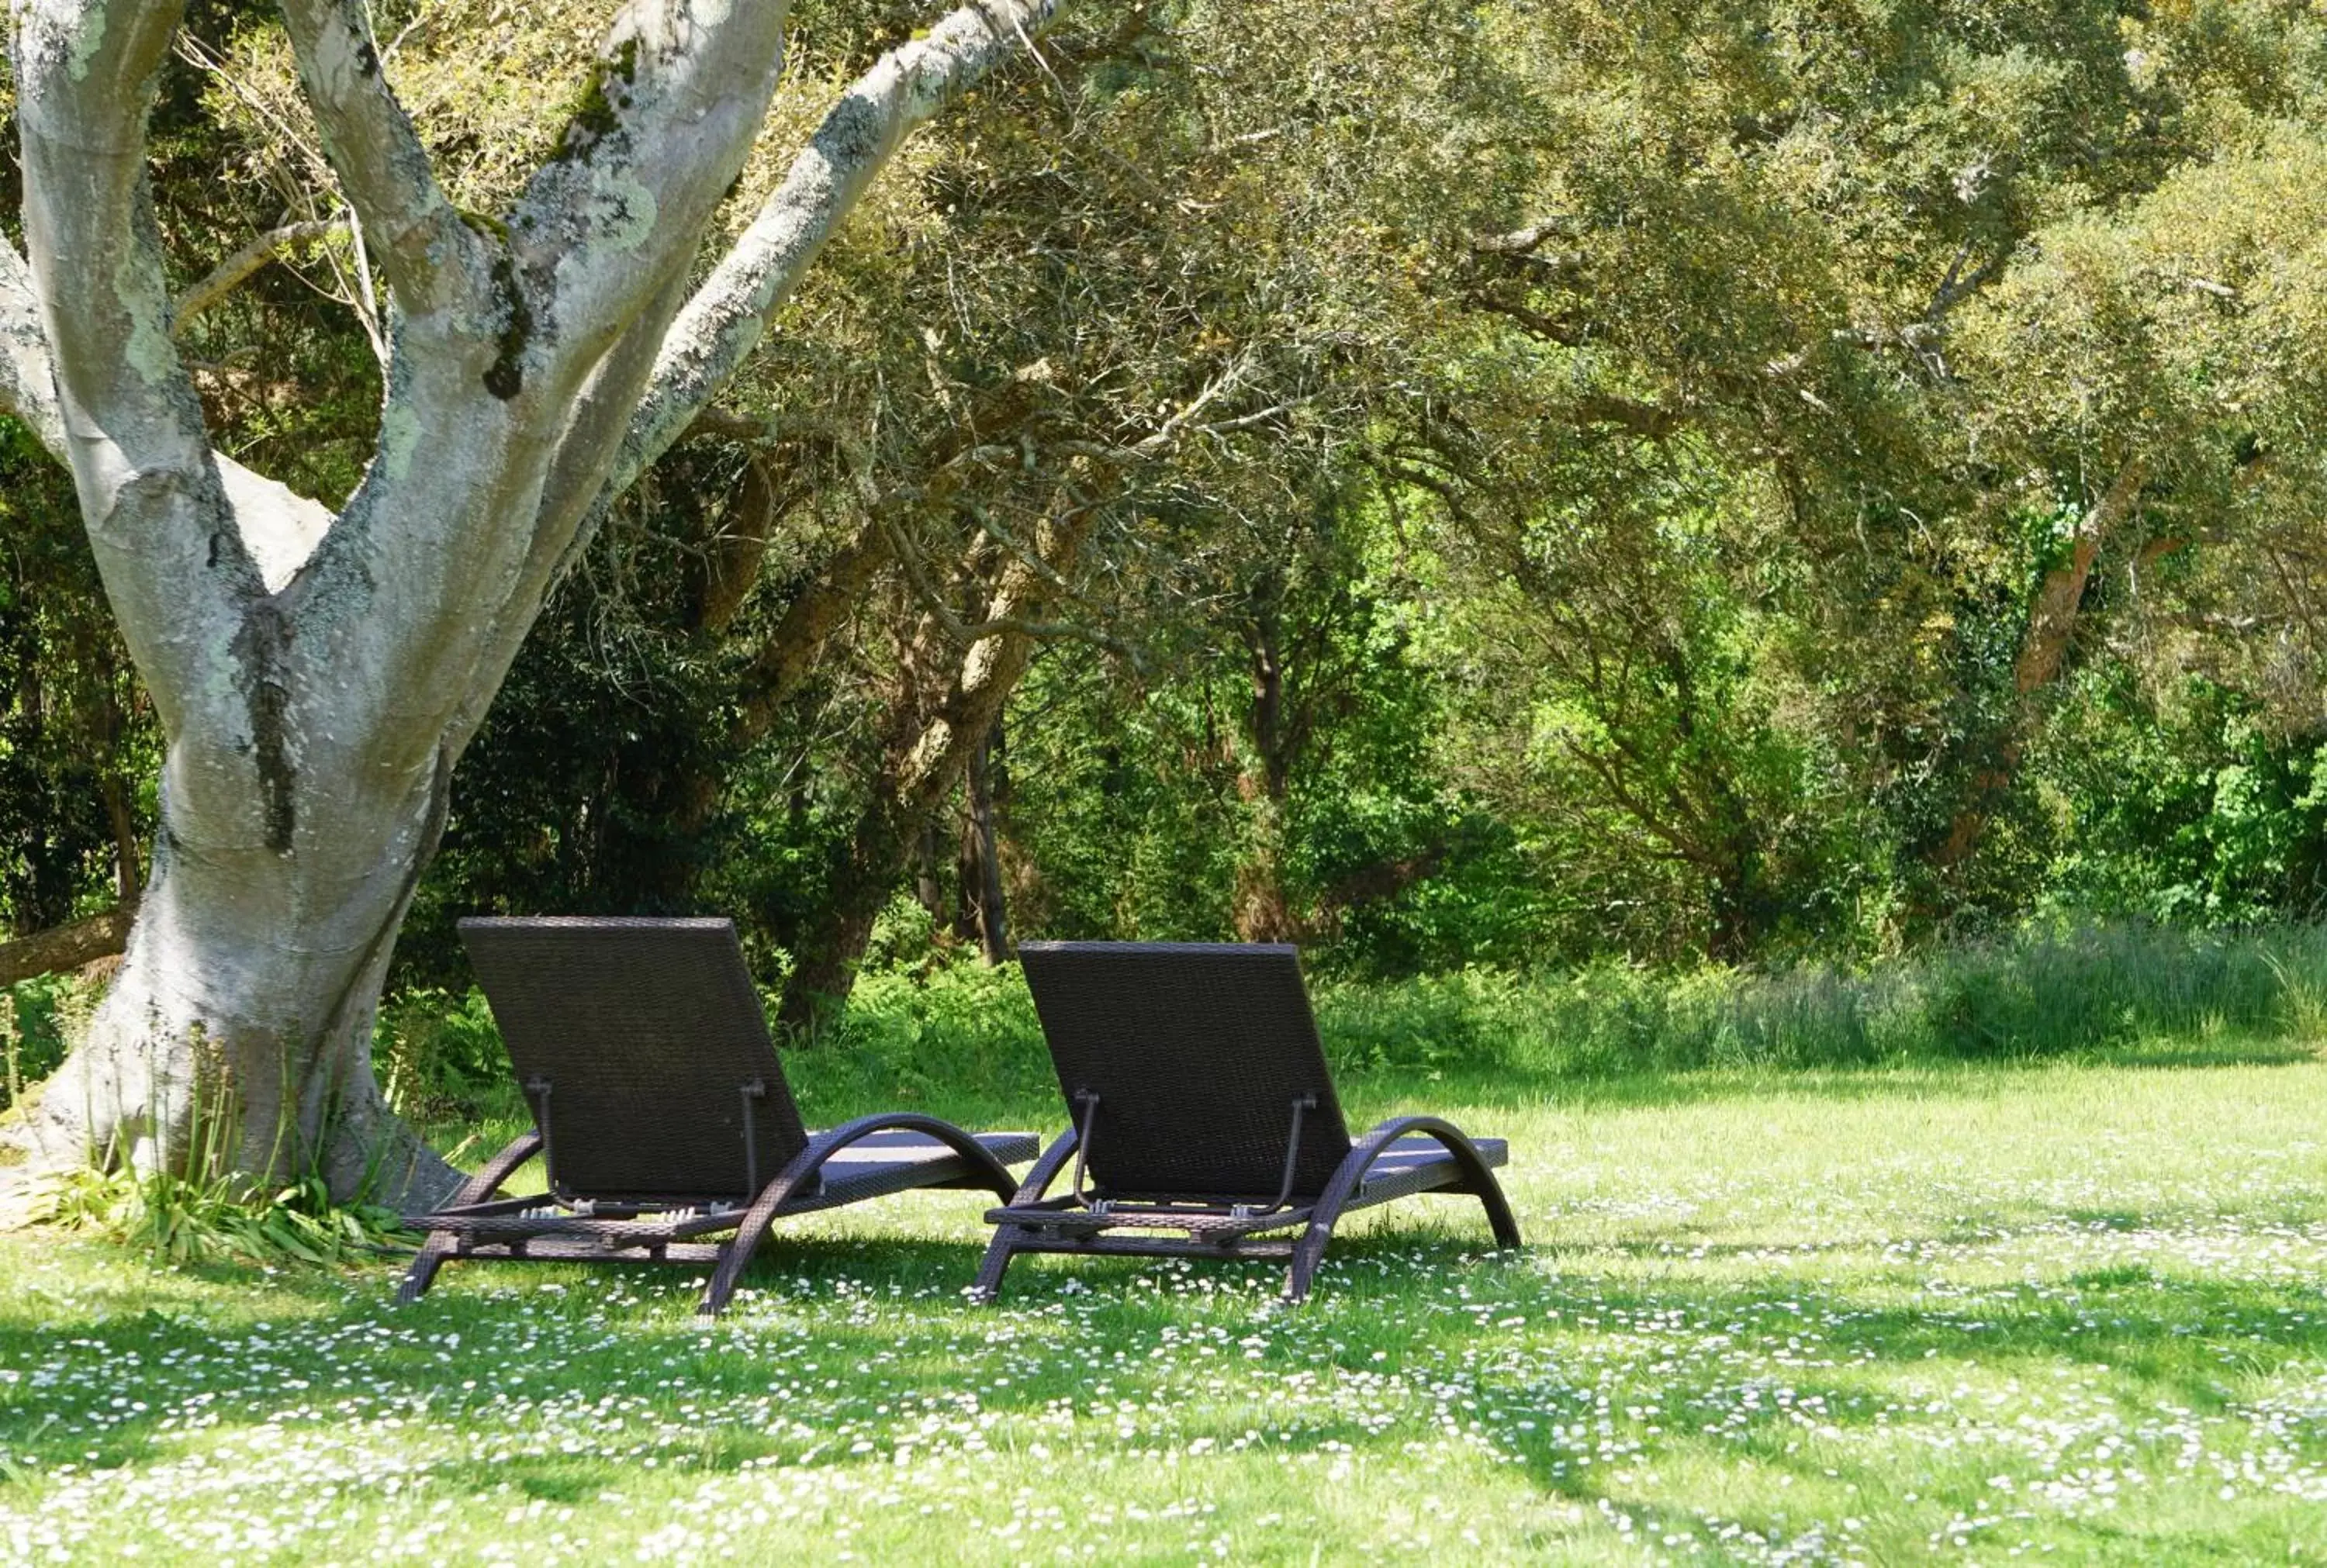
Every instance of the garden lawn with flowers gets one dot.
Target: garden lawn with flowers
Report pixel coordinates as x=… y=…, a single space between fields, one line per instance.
x=1966 y=1311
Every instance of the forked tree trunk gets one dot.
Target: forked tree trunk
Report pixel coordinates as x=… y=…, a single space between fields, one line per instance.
x=916 y=778
x=832 y=942
x=1260 y=911
x=316 y=676
x=1740 y=906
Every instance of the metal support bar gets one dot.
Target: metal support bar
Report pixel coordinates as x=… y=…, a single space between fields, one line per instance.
x=1302 y=1107
x=756 y=1090
x=1089 y=1103
x=536 y=1092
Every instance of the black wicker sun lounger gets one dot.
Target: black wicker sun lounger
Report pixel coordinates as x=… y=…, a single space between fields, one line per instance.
x=1204 y=1118
x=661 y=1112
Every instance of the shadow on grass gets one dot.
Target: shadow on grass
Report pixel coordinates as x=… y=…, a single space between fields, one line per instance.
x=1428 y=1302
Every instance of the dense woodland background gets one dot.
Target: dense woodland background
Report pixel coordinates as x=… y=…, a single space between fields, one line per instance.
x=1460 y=486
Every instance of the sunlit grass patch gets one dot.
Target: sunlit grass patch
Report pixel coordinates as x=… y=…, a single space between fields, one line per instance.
x=1957 y=1313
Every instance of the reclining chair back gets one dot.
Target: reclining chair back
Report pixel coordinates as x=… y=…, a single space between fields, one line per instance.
x=1198 y=1054
x=644 y=1053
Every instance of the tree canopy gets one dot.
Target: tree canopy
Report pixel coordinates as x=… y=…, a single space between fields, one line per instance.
x=1445 y=483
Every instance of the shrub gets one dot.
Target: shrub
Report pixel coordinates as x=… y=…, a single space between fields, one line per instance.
x=201 y=1208
x=39 y=1020
x=439 y=1055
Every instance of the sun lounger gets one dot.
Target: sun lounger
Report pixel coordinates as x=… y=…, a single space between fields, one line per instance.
x=661 y=1112
x=1204 y=1121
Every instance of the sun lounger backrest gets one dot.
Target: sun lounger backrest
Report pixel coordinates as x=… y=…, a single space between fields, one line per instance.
x=1197 y=1052
x=646 y=1031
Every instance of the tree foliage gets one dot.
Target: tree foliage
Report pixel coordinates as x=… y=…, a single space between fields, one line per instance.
x=1443 y=482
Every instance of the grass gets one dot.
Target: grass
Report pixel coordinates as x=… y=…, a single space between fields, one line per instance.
x=2084 y=992
x=965 y=1042
x=1945 y=1310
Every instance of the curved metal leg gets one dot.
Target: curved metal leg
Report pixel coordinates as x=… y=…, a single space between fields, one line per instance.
x=1478 y=1178
x=440 y=1244
x=1004 y=1244
x=753 y=1228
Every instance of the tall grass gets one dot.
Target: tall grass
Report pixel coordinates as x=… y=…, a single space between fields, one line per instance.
x=198 y=1207
x=965 y=1040
x=195 y=1206
x=2096 y=990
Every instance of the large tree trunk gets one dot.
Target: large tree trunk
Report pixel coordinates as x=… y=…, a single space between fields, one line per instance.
x=919 y=773
x=248 y=989
x=983 y=919
x=831 y=945
x=1740 y=906
x=1260 y=911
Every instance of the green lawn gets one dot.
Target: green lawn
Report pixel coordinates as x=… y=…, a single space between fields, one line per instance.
x=1963 y=1313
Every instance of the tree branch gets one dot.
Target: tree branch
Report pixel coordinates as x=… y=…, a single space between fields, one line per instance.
x=807 y=625
x=1955 y=287
x=230 y=273
x=658 y=138
x=1568 y=334
x=723 y=323
x=991 y=666
x=67 y=946
x=28 y=381
x=594 y=415
x=1523 y=240
x=434 y=262
x=151 y=497
x=1651 y=421
x=2053 y=618
x=279 y=534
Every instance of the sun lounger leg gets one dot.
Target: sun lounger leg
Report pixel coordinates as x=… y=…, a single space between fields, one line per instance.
x=422 y=1271
x=1500 y=1217
x=998 y=1254
x=735 y=1256
x=1479 y=1178
x=477 y=1188
x=1004 y=1244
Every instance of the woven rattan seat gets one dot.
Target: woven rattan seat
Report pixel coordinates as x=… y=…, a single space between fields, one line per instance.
x=1204 y=1118
x=660 y=1110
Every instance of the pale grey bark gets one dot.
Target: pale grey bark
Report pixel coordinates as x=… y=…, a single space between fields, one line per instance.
x=728 y=315
x=317 y=676
x=28 y=386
